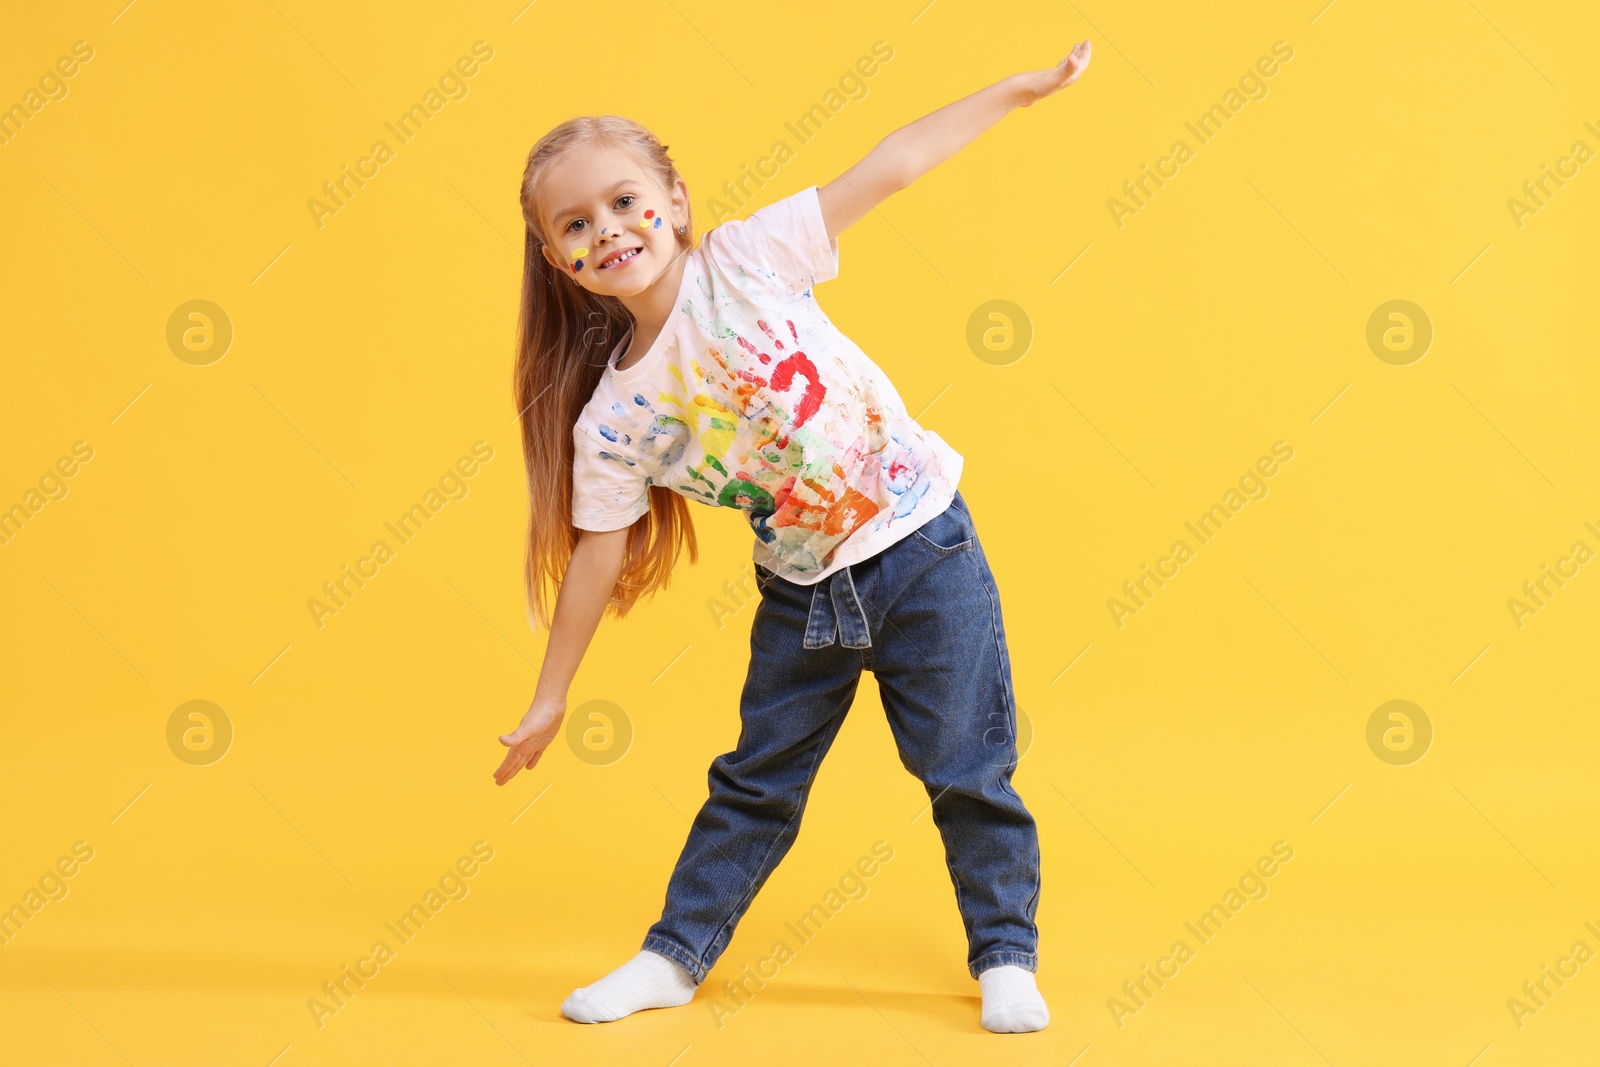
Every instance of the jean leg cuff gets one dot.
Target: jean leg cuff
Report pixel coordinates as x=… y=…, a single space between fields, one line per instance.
x=1028 y=961
x=676 y=955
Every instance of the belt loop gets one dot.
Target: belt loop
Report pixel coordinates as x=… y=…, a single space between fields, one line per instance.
x=847 y=608
x=820 y=626
x=835 y=608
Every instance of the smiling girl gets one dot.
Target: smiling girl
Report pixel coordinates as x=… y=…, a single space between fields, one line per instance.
x=653 y=372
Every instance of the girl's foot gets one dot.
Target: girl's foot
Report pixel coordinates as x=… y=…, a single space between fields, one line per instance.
x=1011 y=1001
x=649 y=980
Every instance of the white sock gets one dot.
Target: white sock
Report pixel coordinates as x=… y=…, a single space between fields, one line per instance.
x=649 y=980
x=1011 y=1001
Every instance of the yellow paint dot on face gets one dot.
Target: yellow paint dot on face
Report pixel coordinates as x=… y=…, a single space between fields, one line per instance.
x=579 y=253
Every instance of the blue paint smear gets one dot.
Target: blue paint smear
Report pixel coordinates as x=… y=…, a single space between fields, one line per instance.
x=671 y=437
x=907 y=501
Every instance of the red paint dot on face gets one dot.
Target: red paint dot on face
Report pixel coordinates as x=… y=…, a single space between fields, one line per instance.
x=650 y=213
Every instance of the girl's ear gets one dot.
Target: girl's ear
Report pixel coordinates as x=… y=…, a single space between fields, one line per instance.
x=680 y=202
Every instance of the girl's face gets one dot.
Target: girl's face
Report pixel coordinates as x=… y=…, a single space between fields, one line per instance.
x=610 y=226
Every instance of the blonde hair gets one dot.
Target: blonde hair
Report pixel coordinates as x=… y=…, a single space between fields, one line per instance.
x=564 y=342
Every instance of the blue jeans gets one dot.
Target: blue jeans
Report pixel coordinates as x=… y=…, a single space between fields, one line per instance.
x=922 y=615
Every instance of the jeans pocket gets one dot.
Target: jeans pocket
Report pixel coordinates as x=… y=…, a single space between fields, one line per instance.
x=947 y=532
x=769 y=582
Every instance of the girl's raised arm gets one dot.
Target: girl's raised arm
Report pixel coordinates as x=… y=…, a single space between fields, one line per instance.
x=911 y=151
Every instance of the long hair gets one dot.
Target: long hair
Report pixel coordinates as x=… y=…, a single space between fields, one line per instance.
x=565 y=337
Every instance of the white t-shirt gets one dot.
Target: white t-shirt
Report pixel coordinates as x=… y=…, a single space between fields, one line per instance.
x=751 y=398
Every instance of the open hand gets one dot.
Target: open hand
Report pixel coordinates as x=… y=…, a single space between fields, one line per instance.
x=527 y=742
x=1036 y=85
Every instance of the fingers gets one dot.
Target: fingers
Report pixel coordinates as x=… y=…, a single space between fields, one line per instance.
x=1079 y=49
x=508 y=769
x=1080 y=52
x=515 y=761
x=1077 y=62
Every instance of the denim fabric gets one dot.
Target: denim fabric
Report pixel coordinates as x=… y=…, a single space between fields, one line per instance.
x=924 y=617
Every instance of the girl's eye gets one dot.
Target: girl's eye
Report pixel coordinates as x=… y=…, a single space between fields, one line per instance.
x=629 y=197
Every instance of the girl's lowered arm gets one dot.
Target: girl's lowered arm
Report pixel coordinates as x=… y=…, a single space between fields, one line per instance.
x=911 y=151
x=586 y=588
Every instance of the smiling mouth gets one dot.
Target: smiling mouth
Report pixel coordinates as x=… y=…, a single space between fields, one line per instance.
x=618 y=259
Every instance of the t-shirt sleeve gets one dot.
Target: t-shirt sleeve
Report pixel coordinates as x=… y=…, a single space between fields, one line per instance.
x=780 y=250
x=609 y=490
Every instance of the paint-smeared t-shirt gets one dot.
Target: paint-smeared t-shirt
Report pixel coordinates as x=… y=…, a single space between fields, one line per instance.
x=751 y=398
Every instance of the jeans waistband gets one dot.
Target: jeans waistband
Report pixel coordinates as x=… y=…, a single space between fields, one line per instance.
x=836 y=610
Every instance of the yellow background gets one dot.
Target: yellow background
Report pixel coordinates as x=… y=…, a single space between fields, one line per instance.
x=1226 y=315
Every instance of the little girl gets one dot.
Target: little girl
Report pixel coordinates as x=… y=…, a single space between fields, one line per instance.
x=728 y=385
